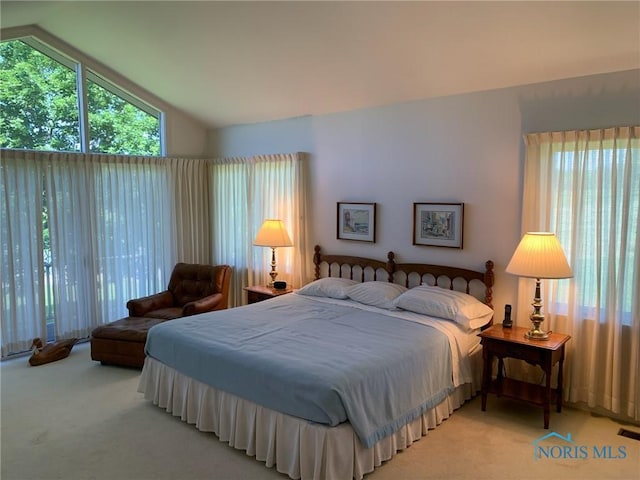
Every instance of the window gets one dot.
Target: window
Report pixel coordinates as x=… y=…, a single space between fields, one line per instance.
x=585 y=187
x=246 y=191
x=42 y=107
x=593 y=202
x=118 y=126
x=39 y=100
x=607 y=201
x=79 y=235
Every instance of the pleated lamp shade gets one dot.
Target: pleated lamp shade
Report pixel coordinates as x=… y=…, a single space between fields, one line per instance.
x=539 y=255
x=273 y=233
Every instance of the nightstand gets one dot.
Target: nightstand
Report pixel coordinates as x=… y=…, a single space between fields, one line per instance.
x=511 y=343
x=258 y=293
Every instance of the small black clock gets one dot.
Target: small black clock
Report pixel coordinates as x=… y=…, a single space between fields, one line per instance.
x=280 y=285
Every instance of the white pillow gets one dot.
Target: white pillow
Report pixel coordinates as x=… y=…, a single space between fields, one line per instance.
x=377 y=294
x=332 y=287
x=464 y=309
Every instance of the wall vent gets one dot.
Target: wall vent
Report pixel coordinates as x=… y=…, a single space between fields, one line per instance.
x=629 y=434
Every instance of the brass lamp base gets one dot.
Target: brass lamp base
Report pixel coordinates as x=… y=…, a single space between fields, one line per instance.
x=536 y=333
x=273 y=273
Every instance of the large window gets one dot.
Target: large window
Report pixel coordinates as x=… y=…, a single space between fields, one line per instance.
x=79 y=234
x=585 y=187
x=590 y=183
x=43 y=107
x=599 y=185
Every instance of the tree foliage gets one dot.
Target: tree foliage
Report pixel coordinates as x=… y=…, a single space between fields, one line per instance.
x=39 y=109
x=38 y=101
x=117 y=126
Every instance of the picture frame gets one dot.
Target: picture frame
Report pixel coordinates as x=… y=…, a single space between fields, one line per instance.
x=356 y=221
x=438 y=224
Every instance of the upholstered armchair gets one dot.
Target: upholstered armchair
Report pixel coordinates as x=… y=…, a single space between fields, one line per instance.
x=192 y=289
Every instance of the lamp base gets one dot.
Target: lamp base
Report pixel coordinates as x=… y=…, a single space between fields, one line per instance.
x=534 y=334
x=273 y=273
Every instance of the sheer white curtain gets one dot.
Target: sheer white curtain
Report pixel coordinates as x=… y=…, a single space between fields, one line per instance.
x=230 y=180
x=585 y=187
x=22 y=269
x=279 y=191
x=110 y=226
x=245 y=192
x=190 y=183
x=82 y=234
x=73 y=258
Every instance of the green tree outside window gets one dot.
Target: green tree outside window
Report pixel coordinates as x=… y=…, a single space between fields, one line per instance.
x=38 y=101
x=39 y=108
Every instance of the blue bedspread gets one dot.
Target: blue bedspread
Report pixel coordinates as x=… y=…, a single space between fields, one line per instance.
x=322 y=362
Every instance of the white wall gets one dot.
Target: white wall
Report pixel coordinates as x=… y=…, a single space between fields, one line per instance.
x=463 y=148
x=185 y=137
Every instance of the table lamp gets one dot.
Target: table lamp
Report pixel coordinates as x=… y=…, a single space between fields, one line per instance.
x=539 y=255
x=273 y=234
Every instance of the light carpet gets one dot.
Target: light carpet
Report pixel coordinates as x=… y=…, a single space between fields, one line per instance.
x=77 y=419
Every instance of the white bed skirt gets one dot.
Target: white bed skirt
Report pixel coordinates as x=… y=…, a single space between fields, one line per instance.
x=295 y=447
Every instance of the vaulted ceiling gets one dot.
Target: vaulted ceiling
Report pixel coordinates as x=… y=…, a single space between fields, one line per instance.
x=241 y=62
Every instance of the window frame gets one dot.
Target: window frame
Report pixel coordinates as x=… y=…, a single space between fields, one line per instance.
x=86 y=70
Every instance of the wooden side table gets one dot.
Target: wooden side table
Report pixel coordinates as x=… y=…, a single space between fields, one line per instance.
x=511 y=343
x=258 y=293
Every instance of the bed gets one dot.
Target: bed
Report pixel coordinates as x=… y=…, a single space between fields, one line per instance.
x=333 y=379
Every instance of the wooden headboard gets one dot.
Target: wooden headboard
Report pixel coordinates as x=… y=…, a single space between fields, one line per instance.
x=355 y=268
x=407 y=274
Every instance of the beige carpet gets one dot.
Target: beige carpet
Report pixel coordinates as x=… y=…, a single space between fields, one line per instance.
x=77 y=419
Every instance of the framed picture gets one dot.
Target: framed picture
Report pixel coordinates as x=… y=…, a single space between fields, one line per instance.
x=357 y=221
x=438 y=224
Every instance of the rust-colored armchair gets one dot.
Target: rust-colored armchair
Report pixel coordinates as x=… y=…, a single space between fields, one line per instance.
x=192 y=289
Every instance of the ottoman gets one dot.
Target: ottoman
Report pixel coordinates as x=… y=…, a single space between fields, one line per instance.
x=122 y=342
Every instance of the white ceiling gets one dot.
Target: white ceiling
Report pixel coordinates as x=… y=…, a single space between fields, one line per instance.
x=241 y=62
